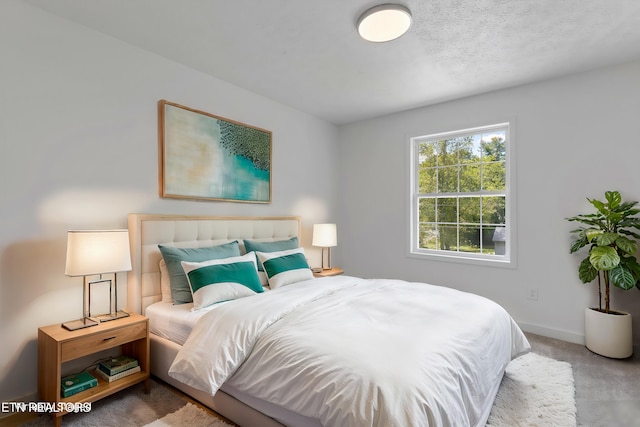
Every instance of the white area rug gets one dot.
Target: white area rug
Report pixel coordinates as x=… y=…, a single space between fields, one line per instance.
x=189 y=415
x=536 y=391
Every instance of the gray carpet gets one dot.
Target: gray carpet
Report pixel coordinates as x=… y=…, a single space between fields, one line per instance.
x=137 y=408
x=607 y=390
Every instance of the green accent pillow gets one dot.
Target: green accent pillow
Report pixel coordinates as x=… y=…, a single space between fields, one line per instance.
x=276 y=246
x=285 y=267
x=173 y=256
x=222 y=280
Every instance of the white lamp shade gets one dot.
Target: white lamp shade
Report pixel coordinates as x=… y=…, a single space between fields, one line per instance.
x=325 y=235
x=384 y=23
x=92 y=252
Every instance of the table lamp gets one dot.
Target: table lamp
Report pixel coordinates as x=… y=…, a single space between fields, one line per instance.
x=95 y=253
x=325 y=236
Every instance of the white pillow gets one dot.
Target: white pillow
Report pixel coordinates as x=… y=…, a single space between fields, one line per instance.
x=222 y=279
x=285 y=267
x=263 y=278
x=165 y=282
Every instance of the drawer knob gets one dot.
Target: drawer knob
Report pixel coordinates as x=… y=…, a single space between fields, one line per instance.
x=109 y=338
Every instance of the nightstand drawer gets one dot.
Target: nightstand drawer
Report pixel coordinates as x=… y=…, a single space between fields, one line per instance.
x=102 y=340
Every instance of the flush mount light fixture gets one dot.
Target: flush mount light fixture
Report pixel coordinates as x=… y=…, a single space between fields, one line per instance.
x=384 y=23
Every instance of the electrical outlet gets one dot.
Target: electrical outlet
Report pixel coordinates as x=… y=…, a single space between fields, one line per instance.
x=533 y=294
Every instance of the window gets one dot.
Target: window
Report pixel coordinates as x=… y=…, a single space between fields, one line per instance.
x=460 y=205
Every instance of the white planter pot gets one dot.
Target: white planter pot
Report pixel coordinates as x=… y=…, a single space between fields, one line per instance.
x=609 y=335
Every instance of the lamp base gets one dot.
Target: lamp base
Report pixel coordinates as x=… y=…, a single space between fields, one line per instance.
x=79 y=324
x=113 y=316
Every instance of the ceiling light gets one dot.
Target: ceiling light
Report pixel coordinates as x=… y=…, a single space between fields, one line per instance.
x=384 y=23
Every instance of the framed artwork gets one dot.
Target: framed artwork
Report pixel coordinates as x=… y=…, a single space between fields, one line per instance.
x=206 y=157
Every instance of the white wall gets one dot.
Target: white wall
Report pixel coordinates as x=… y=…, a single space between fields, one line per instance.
x=575 y=137
x=78 y=131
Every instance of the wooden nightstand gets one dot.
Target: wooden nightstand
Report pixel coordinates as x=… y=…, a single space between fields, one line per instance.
x=330 y=272
x=56 y=345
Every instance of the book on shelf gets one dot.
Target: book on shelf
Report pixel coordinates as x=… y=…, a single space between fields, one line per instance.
x=72 y=384
x=119 y=375
x=117 y=364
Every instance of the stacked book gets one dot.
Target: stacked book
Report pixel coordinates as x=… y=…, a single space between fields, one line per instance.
x=72 y=384
x=117 y=367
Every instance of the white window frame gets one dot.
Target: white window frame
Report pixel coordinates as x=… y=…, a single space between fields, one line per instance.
x=506 y=260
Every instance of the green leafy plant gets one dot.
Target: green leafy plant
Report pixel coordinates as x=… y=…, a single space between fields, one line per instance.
x=609 y=233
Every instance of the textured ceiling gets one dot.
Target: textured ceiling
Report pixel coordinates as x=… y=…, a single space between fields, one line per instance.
x=307 y=54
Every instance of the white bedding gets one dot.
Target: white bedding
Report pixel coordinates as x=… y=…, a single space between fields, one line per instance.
x=174 y=322
x=355 y=352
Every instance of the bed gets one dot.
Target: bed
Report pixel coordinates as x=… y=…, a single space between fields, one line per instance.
x=325 y=351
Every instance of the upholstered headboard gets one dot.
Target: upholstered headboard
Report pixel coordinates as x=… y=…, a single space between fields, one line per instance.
x=146 y=231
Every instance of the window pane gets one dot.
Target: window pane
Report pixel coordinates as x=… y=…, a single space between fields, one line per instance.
x=493 y=242
x=469 y=210
x=468 y=150
x=477 y=147
x=427 y=180
x=427 y=210
x=470 y=178
x=470 y=239
x=447 y=210
x=493 y=210
x=494 y=176
x=427 y=154
x=448 y=237
x=494 y=147
x=495 y=238
x=448 y=179
x=428 y=236
x=447 y=151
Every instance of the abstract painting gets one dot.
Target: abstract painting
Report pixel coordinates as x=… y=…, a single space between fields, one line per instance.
x=206 y=157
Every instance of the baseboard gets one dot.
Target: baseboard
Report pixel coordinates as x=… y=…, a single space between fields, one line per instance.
x=553 y=333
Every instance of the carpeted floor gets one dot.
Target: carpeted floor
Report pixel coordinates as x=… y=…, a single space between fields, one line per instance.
x=607 y=390
x=131 y=407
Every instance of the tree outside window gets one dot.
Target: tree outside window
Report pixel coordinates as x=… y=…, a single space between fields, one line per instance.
x=460 y=192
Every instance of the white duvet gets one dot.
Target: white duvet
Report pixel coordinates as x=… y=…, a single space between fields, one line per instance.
x=353 y=352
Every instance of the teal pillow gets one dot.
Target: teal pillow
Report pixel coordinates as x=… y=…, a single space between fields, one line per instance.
x=222 y=279
x=173 y=256
x=285 y=267
x=278 y=245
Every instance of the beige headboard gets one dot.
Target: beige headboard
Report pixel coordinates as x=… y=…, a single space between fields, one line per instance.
x=146 y=231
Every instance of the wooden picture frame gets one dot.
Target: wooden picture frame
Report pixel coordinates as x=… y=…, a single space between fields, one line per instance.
x=206 y=157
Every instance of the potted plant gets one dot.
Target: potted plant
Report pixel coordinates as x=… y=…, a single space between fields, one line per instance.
x=610 y=235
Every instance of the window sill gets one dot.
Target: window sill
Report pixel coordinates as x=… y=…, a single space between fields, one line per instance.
x=487 y=261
